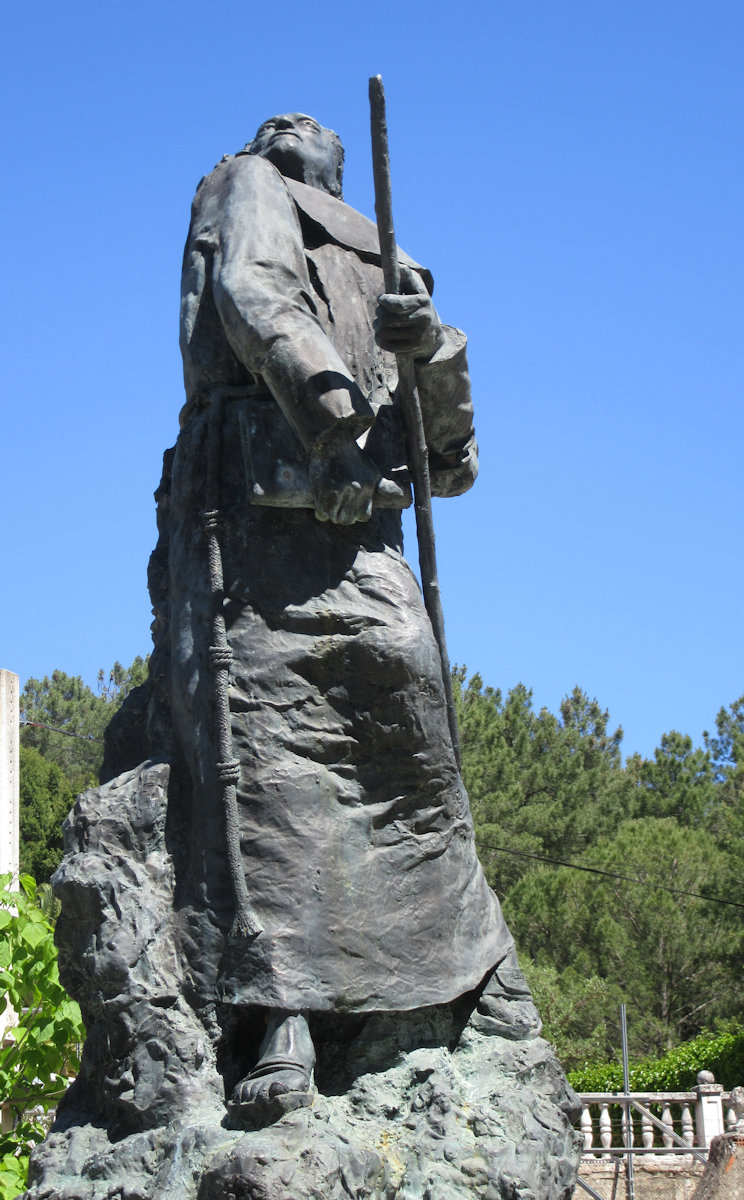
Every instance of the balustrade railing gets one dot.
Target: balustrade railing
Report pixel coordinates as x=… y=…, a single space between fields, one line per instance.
x=614 y=1124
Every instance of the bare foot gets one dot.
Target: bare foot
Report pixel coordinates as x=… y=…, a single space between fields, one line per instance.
x=282 y=1080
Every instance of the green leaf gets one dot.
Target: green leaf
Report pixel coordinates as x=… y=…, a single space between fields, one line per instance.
x=34 y=935
x=28 y=884
x=13 y=1175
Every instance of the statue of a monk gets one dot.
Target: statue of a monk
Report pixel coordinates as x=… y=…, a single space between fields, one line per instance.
x=353 y=833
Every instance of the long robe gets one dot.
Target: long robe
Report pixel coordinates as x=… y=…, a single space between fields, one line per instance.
x=356 y=835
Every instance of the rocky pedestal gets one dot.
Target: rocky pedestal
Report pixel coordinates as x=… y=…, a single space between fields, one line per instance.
x=460 y=1100
x=723 y=1178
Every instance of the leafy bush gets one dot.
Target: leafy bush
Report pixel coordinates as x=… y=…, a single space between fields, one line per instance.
x=40 y=1050
x=722 y=1053
x=573 y=1008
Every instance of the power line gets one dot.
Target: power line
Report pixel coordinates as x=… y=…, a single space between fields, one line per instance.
x=556 y=862
x=84 y=737
x=561 y=862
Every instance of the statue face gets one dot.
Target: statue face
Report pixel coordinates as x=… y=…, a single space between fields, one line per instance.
x=301 y=149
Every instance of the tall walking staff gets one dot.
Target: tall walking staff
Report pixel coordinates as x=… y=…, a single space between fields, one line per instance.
x=418 y=457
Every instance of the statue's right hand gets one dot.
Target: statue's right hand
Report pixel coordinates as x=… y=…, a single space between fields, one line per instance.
x=342 y=481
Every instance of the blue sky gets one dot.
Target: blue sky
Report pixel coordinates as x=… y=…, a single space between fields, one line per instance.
x=573 y=175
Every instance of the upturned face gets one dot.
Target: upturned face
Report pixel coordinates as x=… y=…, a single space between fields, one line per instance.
x=300 y=148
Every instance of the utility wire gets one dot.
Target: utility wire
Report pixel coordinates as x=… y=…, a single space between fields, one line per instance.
x=84 y=737
x=561 y=862
x=556 y=862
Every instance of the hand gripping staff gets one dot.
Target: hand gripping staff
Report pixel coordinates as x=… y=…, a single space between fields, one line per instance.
x=418 y=457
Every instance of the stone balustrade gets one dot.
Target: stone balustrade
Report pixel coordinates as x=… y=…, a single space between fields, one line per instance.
x=613 y=1123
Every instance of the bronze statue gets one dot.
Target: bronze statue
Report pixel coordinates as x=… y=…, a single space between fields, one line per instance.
x=356 y=839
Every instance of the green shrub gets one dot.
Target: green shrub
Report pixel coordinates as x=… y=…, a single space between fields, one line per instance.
x=676 y=1071
x=40 y=1050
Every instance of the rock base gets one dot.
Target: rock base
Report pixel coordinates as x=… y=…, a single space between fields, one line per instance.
x=484 y=1120
x=460 y=1100
x=723 y=1177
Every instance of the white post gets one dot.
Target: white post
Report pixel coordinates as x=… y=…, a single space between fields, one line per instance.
x=8 y=773
x=585 y=1124
x=708 y=1108
x=8 y=811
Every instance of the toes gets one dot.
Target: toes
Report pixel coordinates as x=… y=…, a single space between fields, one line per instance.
x=251 y=1091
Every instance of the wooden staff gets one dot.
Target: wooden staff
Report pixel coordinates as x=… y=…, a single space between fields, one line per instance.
x=418 y=457
x=227 y=768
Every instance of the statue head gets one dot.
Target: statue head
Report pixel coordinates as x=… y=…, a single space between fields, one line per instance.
x=302 y=149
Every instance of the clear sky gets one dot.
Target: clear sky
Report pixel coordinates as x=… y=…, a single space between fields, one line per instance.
x=573 y=174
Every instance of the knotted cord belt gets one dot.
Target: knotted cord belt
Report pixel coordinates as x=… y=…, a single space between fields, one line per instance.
x=227 y=768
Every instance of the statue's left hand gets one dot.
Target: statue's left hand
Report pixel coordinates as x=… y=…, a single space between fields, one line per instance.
x=408 y=323
x=342 y=480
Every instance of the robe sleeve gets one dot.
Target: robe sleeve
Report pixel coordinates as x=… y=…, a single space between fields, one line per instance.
x=447 y=410
x=263 y=295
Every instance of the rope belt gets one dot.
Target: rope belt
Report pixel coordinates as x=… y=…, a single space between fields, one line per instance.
x=227 y=768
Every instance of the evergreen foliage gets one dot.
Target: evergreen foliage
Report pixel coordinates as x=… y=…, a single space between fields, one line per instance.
x=555 y=787
x=64 y=719
x=678 y=782
x=538 y=784
x=55 y=766
x=46 y=797
x=726 y=750
x=667 y=955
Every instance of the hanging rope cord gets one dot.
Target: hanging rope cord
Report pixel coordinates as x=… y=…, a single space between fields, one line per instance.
x=227 y=768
